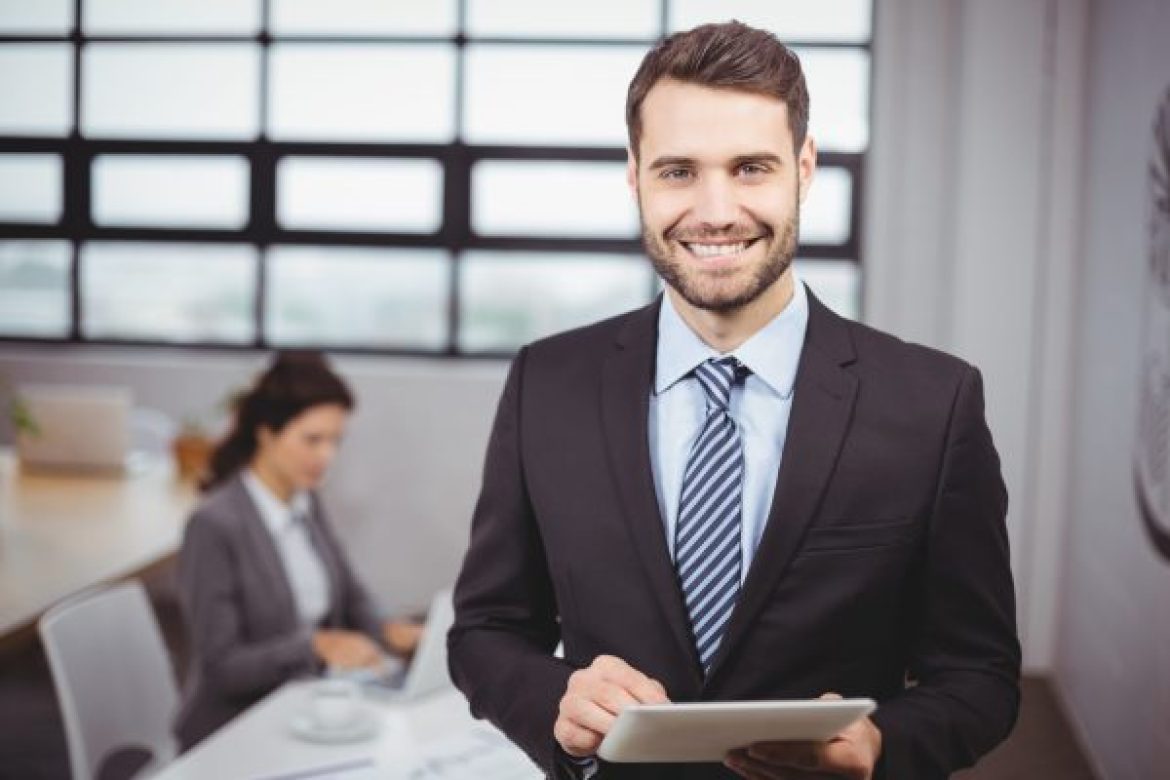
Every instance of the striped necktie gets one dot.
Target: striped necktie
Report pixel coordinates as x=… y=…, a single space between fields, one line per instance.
x=707 y=535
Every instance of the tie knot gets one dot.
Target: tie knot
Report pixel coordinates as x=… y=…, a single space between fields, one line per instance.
x=717 y=377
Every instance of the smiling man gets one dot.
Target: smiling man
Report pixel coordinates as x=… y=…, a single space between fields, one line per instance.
x=733 y=493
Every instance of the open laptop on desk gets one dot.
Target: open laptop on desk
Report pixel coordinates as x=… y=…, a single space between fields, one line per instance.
x=427 y=671
x=78 y=428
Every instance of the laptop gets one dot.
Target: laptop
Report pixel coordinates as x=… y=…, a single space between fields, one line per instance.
x=427 y=672
x=79 y=427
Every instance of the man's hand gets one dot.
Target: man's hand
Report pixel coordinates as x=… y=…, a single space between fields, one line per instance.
x=852 y=754
x=345 y=649
x=593 y=699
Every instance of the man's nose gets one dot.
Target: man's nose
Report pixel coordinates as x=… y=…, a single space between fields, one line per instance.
x=716 y=208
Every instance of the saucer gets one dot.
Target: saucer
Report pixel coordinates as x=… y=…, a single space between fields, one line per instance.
x=361 y=727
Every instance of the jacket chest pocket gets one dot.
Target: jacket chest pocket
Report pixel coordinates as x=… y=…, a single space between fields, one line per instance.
x=844 y=537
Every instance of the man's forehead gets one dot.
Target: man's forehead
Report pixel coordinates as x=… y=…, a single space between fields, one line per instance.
x=689 y=119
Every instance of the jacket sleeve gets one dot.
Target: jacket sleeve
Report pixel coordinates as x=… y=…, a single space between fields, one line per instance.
x=500 y=646
x=208 y=592
x=964 y=652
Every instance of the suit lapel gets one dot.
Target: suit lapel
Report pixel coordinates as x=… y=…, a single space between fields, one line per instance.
x=627 y=377
x=822 y=407
x=258 y=537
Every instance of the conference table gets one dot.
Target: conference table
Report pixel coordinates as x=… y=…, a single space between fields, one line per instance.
x=431 y=738
x=61 y=533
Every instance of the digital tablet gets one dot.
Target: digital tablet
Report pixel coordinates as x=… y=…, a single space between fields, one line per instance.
x=707 y=731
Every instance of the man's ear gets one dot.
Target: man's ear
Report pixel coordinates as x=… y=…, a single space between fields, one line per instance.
x=806 y=165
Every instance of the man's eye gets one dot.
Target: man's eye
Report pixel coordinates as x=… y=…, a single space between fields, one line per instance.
x=676 y=174
x=752 y=169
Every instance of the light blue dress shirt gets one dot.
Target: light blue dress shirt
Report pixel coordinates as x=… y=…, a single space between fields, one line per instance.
x=760 y=407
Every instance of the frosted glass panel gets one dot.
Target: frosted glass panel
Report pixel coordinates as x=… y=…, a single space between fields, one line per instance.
x=362 y=92
x=358 y=297
x=171 y=191
x=522 y=94
x=173 y=91
x=34 y=288
x=168 y=292
x=836 y=282
x=31 y=188
x=520 y=197
x=511 y=298
x=176 y=17
x=36 y=17
x=838 y=85
x=363 y=17
x=566 y=19
x=847 y=21
x=824 y=217
x=355 y=193
x=36 y=89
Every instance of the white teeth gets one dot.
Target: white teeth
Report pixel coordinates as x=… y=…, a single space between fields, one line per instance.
x=717 y=250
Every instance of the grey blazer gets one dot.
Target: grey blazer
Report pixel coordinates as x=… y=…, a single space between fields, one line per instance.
x=243 y=630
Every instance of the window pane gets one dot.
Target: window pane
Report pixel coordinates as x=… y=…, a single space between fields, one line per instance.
x=36 y=17
x=345 y=193
x=186 y=90
x=540 y=18
x=31 y=188
x=183 y=17
x=836 y=282
x=362 y=92
x=511 y=298
x=36 y=89
x=183 y=191
x=34 y=288
x=824 y=217
x=168 y=292
x=536 y=198
x=363 y=17
x=847 y=21
x=838 y=86
x=357 y=297
x=518 y=94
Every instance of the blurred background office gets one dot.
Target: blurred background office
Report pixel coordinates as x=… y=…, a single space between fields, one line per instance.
x=421 y=187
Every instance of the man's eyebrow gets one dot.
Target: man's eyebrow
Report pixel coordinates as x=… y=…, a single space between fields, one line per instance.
x=666 y=162
x=757 y=157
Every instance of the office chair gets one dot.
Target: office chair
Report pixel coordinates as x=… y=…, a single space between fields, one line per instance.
x=113 y=677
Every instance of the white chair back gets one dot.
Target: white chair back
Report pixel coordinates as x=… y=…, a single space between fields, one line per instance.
x=113 y=676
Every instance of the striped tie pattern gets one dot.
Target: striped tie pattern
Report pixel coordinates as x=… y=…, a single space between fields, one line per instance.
x=707 y=536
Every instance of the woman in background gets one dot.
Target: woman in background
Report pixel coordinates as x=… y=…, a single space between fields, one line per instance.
x=266 y=590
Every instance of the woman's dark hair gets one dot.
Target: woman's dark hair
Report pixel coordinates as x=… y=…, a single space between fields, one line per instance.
x=295 y=381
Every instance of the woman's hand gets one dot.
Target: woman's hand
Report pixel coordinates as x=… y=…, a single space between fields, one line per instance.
x=402 y=636
x=346 y=649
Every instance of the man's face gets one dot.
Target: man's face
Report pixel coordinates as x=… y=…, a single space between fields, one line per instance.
x=719 y=188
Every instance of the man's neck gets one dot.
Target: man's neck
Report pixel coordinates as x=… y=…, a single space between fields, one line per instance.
x=724 y=331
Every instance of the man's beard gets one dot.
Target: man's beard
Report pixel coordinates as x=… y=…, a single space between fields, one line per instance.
x=698 y=291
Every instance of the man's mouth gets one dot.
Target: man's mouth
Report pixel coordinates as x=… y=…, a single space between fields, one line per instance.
x=718 y=249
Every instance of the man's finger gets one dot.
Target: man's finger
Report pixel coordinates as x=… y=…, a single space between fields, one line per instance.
x=575 y=740
x=641 y=687
x=798 y=755
x=588 y=714
x=611 y=698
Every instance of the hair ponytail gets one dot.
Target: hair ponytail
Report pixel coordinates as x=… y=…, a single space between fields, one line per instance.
x=295 y=382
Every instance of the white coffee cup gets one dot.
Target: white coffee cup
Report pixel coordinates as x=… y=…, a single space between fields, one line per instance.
x=333 y=704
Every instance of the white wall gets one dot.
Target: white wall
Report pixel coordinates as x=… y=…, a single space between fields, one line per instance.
x=1113 y=653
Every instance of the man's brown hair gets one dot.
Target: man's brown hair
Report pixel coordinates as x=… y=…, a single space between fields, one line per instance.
x=730 y=55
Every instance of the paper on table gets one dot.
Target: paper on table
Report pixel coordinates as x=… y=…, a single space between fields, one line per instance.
x=358 y=769
x=477 y=752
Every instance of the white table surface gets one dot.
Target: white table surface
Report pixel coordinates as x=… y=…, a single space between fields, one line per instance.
x=62 y=533
x=434 y=737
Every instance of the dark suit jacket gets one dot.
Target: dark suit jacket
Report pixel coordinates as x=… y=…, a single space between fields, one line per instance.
x=245 y=636
x=884 y=558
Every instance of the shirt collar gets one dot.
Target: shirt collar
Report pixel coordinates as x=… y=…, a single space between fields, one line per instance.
x=277 y=515
x=772 y=353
